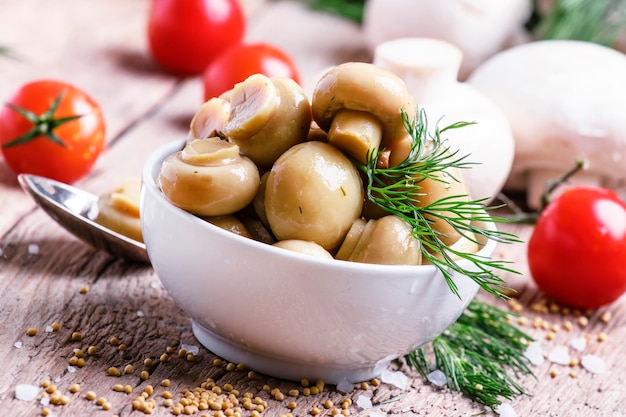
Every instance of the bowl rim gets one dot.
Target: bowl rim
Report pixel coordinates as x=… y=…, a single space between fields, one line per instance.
x=150 y=185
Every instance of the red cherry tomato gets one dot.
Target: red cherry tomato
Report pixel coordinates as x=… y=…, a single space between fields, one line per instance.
x=243 y=60
x=184 y=36
x=577 y=251
x=52 y=129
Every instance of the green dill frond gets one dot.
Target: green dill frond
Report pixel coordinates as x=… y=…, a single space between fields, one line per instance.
x=481 y=355
x=396 y=190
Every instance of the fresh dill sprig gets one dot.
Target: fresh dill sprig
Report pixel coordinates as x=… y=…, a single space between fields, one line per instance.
x=480 y=355
x=397 y=189
x=598 y=21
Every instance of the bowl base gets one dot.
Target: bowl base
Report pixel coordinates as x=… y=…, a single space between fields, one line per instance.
x=280 y=368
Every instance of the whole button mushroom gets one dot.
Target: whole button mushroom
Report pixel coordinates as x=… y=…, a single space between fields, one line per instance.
x=209 y=177
x=565 y=100
x=267 y=117
x=313 y=193
x=209 y=119
x=359 y=106
x=387 y=241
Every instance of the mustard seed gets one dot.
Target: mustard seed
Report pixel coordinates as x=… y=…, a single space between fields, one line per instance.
x=55 y=326
x=345 y=412
x=164 y=357
x=149 y=389
x=73 y=361
x=51 y=388
x=144 y=375
x=74 y=388
x=45 y=383
x=328 y=404
x=606 y=317
x=147 y=362
x=583 y=321
x=231 y=367
x=122 y=347
x=365 y=386
x=31 y=331
x=314 y=411
x=106 y=406
x=292 y=405
x=118 y=387
x=46 y=411
x=190 y=357
x=84 y=289
x=128 y=369
x=182 y=353
x=169 y=350
x=306 y=391
x=101 y=401
x=251 y=375
x=315 y=390
x=128 y=389
x=113 y=371
x=81 y=362
x=241 y=367
x=168 y=402
x=294 y=392
x=90 y=395
x=165 y=383
x=572 y=374
x=554 y=373
x=167 y=395
x=602 y=337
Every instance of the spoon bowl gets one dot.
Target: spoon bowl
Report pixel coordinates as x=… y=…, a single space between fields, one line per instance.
x=75 y=210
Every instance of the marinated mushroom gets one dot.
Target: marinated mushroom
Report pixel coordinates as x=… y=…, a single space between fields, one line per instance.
x=209 y=177
x=313 y=193
x=387 y=241
x=304 y=247
x=119 y=210
x=359 y=105
x=231 y=224
x=210 y=118
x=267 y=117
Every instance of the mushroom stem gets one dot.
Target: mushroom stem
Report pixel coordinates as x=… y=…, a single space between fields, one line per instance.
x=356 y=133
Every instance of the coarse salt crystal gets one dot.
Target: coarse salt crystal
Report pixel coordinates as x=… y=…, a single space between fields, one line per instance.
x=437 y=378
x=190 y=349
x=155 y=285
x=377 y=414
x=345 y=386
x=57 y=379
x=364 y=402
x=506 y=410
x=579 y=343
x=559 y=355
x=71 y=369
x=33 y=249
x=534 y=353
x=49 y=329
x=44 y=401
x=140 y=313
x=593 y=364
x=396 y=378
x=26 y=392
x=18 y=345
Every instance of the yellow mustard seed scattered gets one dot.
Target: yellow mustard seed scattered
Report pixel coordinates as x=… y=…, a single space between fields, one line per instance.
x=74 y=388
x=55 y=326
x=101 y=400
x=602 y=337
x=164 y=357
x=606 y=317
x=315 y=411
x=51 y=389
x=167 y=395
x=345 y=412
x=144 y=375
x=76 y=336
x=251 y=375
x=583 y=321
x=118 y=387
x=572 y=374
x=149 y=389
x=364 y=386
x=90 y=395
x=128 y=389
x=335 y=411
x=32 y=331
x=45 y=383
x=46 y=411
x=315 y=390
x=106 y=406
x=73 y=361
x=81 y=362
x=148 y=362
x=294 y=392
x=122 y=347
x=113 y=371
x=550 y=336
x=169 y=350
x=84 y=289
x=114 y=341
x=190 y=357
x=328 y=404
x=168 y=402
x=292 y=405
x=182 y=353
x=573 y=362
x=64 y=400
x=306 y=391
x=567 y=325
x=241 y=367
x=79 y=353
x=554 y=373
x=231 y=367
x=129 y=369
x=165 y=383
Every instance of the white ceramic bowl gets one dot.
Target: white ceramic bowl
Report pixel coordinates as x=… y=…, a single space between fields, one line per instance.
x=286 y=314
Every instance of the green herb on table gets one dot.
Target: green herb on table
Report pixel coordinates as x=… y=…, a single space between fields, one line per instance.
x=397 y=189
x=480 y=355
x=598 y=21
x=348 y=9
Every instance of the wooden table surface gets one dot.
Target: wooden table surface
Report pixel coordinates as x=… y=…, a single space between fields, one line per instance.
x=47 y=276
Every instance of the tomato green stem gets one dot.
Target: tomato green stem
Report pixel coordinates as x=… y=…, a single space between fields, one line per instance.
x=43 y=125
x=551 y=185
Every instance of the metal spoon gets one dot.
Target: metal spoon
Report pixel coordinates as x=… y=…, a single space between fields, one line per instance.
x=75 y=210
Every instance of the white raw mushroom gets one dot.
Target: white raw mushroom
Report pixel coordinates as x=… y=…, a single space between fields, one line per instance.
x=429 y=68
x=565 y=100
x=480 y=28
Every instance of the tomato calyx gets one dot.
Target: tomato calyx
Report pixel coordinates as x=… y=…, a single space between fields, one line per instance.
x=43 y=125
x=521 y=216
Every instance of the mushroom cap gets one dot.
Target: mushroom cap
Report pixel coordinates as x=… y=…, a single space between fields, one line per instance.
x=364 y=87
x=564 y=100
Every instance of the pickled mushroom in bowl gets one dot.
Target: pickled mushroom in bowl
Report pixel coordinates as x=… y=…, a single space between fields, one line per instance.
x=351 y=175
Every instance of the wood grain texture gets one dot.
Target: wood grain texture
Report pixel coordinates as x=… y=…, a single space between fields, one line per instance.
x=48 y=276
